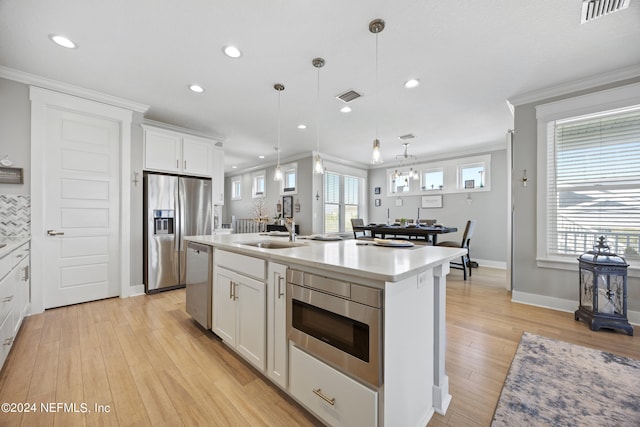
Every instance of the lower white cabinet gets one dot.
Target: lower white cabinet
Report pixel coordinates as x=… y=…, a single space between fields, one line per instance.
x=14 y=296
x=239 y=314
x=277 y=323
x=332 y=396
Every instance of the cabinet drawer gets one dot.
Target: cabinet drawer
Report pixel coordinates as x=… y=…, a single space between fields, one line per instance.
x=7 y=295
x=6 y=338
x=249 y=266
x=332 y=396
x=5 y=265
x=20 y=253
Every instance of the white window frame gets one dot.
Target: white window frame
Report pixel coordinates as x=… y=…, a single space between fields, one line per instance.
x=593 y=103
x=451 y=172
x=256 y=177
x=236 y=182
x=461 y=181
x=291 y=168
x=423 y=172
x=341 y=203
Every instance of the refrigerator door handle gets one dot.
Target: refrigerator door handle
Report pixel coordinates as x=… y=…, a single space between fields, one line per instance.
x=180 y=208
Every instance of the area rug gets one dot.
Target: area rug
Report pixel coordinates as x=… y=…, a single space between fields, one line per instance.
x=554 y=383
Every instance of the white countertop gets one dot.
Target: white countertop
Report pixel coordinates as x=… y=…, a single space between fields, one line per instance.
x=345 y=256
x=11 y=243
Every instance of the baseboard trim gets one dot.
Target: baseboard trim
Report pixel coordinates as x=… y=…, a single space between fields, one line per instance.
x=560 y=304
x=134 y=291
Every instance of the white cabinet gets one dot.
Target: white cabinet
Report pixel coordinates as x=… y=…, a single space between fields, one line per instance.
x=14 y=296
x=175 y=152
x=332 y=396
x=277 y=323
x=239 y=305
x=218 y=176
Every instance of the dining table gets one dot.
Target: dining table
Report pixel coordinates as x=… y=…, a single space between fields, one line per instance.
x=428 y=232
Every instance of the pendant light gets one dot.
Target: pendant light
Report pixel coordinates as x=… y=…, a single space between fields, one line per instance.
x=376 y=26
x=318 y=167
x=277 y=175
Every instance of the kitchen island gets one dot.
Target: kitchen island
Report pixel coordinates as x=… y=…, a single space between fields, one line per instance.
x=249 y=315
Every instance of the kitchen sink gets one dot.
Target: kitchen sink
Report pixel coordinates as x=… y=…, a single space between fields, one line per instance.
x=271 y=244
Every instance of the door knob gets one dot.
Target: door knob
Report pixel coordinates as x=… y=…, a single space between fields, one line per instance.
x=55 y=233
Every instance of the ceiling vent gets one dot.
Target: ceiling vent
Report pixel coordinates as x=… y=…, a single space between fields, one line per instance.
x=348 y=96
x=592 y=9
x=406 y=137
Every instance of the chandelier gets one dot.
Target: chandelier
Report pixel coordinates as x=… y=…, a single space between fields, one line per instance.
x=405 y=158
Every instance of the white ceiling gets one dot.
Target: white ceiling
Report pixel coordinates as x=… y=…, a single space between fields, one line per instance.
x=470 y=56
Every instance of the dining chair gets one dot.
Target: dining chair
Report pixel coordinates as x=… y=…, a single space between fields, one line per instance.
x=359 y=222
x=466 y=239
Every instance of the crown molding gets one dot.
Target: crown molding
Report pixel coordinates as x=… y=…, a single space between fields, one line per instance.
x=46 y=83
x=575 y=85
x=175 y=128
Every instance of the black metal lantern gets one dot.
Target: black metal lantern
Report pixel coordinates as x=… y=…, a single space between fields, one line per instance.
x=603 y=289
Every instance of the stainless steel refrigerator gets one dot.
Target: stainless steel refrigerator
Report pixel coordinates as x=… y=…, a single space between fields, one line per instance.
x=174 y=207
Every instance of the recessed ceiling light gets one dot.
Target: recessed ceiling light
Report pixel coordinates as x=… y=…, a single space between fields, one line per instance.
x=301 y=126
x=345 y=109
x=62 y=41
x=232 y=52
x=196 y=88
x=234 y=167
x=410 y=84
x=261 y=157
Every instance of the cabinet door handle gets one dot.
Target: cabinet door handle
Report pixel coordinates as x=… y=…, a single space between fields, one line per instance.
x=8 y=341
x=280 y=292
x=318 y=392
x=230 y=289
x=25 y=277
x=177 y=164
x=185 y=165
x=8 y=299
x=55 y=233
x=235 y=291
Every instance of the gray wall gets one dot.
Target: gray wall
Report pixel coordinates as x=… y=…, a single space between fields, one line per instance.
x=488 y=208
x=244 y=208
x=15 y=132
x=15 y=140
x=527 y=276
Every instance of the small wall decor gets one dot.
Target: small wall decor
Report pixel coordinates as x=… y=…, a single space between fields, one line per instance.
x=378 y=202
x=470 y=183
x=432 y=201
x=296 y=207
x=11 y=176
x=398 y=201
x=376 y=190
x=287 y=206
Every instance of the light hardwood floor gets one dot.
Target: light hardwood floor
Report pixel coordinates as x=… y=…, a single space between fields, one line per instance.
x=148 y=363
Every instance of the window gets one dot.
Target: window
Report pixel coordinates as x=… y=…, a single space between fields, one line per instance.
x=236 y=188
x=289 y=181
x=259 y=184
x=593 y=183
x=432 y=179
x=471 y=176
x=341 y=201
x=400 y=182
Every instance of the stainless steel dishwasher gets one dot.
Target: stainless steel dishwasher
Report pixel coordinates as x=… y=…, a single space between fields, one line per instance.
x=199 y=282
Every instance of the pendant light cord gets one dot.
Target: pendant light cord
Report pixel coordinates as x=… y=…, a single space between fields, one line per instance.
x=376 y=83
x=318 y=116
x=279 y=92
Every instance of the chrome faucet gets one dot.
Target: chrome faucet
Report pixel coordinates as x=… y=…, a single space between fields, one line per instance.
x=291 y=228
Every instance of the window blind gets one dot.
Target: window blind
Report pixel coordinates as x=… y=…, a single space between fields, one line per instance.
x=593 y=181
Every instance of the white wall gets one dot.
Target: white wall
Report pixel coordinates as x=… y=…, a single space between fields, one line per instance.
x=15 y=132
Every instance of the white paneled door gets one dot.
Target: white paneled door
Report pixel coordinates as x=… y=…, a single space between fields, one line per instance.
x=81 y=203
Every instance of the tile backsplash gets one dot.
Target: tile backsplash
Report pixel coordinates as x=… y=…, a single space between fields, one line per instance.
x=15 y=215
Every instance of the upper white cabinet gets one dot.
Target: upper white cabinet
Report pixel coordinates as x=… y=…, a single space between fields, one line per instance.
x=218 y=176
x=175 y=152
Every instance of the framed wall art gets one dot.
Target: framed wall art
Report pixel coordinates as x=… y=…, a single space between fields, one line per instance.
x=287 y=206
x=432 y=201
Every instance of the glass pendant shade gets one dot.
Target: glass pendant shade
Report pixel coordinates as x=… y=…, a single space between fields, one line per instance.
x=277 y=175
x=376 y=157
x=318 y=166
